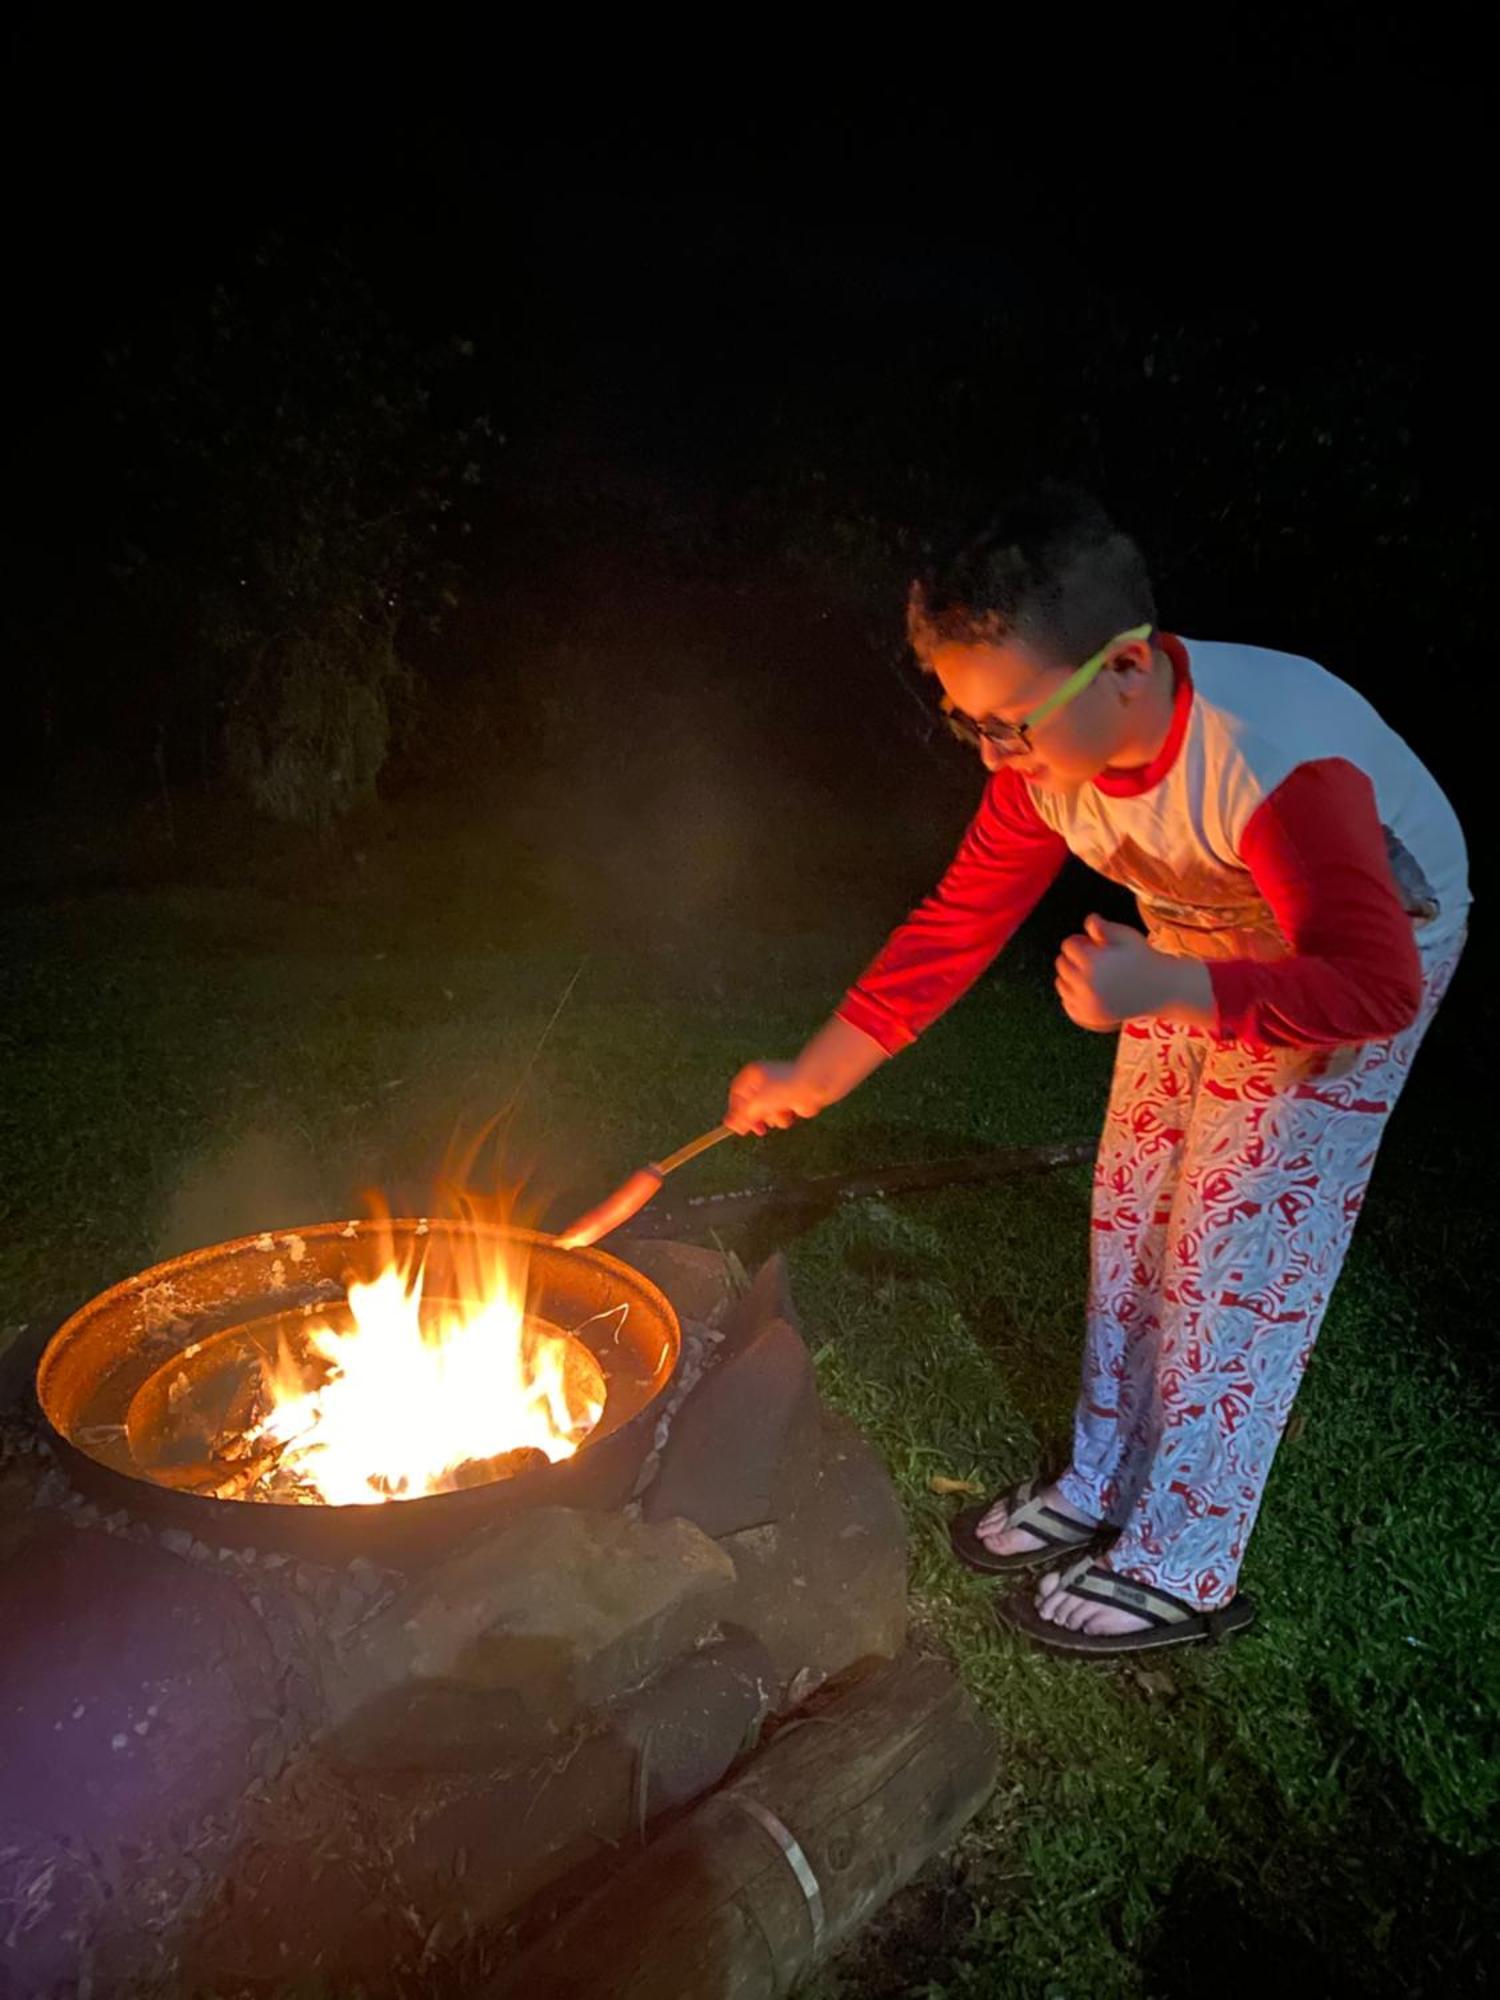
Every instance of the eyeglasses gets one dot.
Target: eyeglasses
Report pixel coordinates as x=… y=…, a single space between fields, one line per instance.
x=1013 y=738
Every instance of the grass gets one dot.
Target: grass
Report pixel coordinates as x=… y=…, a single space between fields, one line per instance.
x=1318 y=1804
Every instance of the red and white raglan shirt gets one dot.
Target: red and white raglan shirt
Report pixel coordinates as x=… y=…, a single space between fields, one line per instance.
x=1284 y=834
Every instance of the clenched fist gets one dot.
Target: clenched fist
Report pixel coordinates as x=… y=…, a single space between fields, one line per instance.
x=1107 y=973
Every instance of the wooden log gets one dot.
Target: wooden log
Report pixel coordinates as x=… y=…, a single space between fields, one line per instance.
x=700 y=1215
x=739 y=1898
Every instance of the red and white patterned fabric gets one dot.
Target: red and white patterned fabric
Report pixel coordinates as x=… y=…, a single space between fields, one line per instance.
x=1226 y=1188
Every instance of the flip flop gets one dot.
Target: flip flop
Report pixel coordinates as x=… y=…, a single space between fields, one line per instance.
x=1174 y=1622
x=1060 y=1533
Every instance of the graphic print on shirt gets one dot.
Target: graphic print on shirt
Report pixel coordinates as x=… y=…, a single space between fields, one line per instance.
x=1196 y=909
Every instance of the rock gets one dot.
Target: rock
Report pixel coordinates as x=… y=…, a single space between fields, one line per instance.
x=769 y=1297
x=698 y=1282
x=99 y=1631
x=435 y=1726
x=364 y=1576
x=825 y=1585
x=349 y=1603
x=52 y=1896
x=688 y=1725
x=53 y=1490
x=354 y=1876
x=742 y=1445
x=657 y=1748
x=563 y=1607
x=20 y=1520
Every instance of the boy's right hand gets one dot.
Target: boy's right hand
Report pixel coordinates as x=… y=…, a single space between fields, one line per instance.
x=769 y=1096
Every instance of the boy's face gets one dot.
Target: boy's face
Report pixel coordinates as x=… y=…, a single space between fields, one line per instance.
x=1006 y=681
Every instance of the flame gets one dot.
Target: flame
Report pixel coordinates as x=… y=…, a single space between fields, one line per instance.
x=414 y=1392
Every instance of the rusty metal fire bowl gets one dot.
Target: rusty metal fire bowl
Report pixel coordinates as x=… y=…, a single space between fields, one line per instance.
x=205 y=1316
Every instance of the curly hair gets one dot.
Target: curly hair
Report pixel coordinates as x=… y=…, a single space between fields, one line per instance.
x=1048 y=567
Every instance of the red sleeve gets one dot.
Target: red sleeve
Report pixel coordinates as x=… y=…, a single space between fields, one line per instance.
x=1316 y=850
x=1002 y=869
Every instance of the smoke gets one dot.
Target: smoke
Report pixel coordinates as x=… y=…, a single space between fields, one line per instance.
x=238 y=1187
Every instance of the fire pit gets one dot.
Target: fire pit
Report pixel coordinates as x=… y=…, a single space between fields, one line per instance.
x=253 y=1736
x=373 y=1386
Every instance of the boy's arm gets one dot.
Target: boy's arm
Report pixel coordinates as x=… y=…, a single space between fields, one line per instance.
x=1008 y=859
x=1316 y=850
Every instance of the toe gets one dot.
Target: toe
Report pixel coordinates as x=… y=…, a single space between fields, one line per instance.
x=1010 y=1541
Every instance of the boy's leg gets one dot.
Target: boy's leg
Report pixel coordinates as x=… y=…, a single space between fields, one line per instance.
x=1272 y=1182
x=1158 y=1069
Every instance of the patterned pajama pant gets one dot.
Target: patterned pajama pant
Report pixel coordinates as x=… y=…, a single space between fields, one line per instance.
x=1226 y=1189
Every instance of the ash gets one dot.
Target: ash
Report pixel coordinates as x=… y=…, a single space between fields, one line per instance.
x=699 y=1340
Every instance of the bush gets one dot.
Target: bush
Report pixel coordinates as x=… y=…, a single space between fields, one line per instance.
x=308 y=727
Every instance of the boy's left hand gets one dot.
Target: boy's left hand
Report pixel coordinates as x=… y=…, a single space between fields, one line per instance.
x=1107 y=973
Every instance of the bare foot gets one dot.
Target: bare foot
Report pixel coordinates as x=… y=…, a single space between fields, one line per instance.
x=1081 y=1614
x=1003 y=1541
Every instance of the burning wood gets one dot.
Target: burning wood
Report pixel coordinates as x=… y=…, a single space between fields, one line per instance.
x=264 y=1468
x=235 y=1478
x=504 y=1465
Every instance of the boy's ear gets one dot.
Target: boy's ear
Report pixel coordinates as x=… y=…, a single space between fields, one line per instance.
x=1133 y=665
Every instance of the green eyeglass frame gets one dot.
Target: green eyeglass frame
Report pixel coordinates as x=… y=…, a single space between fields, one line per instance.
x=1011 y=738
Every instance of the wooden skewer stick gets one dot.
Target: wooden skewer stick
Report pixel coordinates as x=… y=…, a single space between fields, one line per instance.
x=631 y=1196
x=691 y=1150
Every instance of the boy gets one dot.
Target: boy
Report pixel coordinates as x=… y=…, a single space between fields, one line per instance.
x=1303 y=885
